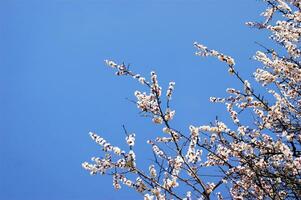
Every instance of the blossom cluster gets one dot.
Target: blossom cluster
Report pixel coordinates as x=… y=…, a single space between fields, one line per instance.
x=256 y=156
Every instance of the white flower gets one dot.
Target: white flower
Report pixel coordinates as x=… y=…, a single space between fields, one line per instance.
x=141 y=80
x=157 y=120
x=148 y=197
x=131 y=139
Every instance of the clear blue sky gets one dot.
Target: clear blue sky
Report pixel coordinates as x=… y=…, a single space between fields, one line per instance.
x=54 y=87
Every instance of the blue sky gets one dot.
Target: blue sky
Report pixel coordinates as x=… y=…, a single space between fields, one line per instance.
x=55 y=88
